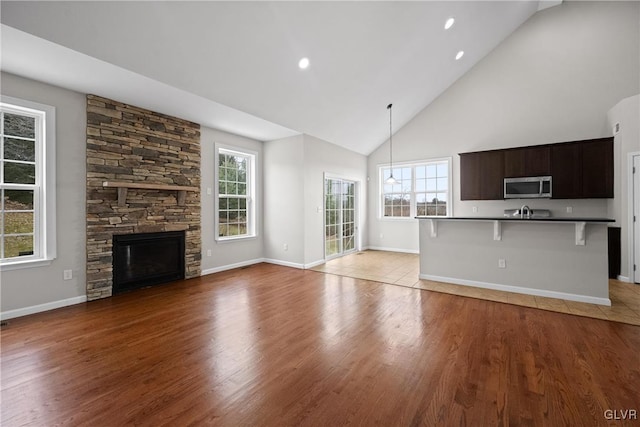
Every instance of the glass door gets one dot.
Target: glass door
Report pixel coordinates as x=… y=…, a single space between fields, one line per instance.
x=339 y=217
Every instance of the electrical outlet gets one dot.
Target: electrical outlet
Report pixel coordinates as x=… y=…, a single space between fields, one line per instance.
x=569 y=209
x=502 y=263
x=474 y=209
x=285 y=247
x=67 y=274
x=208 y=252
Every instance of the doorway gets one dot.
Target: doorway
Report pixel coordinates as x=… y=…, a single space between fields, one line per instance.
x=340 y=215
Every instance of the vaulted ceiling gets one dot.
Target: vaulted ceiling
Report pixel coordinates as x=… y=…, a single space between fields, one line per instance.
x=234 y=65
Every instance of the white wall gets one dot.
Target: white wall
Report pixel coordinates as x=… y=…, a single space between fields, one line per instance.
x=284 y=189
x=320 y=158
x=234 y=252
x=294 y=172
x=553 y=80
x=28 y=287
x=627 y=113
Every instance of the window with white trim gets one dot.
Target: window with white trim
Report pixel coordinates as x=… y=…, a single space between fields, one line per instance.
x=27 y=187
x=235 y=205
x=421 y=189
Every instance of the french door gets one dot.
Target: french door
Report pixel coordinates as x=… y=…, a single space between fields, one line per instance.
x=339 y=217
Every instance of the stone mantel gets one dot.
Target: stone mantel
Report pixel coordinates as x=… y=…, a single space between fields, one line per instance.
x=123 y=188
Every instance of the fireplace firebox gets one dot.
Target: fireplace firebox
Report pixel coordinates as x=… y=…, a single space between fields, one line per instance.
x=146 y=259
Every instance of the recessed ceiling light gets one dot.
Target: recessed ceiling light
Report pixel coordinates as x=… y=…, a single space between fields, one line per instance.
x=449 y=23
x=459 y=55
x=304 y=63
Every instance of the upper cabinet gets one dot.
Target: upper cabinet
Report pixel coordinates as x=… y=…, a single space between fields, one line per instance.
x=481 y=175
x=597 y=168
x=527 y=161
x=470 y=169
x=579 y=170
x=566 y=171
x=582 y=169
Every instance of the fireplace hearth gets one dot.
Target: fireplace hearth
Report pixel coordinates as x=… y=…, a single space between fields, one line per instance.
x=146 y=259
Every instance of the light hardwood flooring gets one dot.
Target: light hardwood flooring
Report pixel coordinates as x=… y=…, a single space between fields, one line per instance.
x=403 y=269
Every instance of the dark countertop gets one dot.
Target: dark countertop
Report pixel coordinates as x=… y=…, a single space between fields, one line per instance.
x=510 y=218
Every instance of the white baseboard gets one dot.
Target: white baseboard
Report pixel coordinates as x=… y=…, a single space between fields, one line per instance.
x=231 y=266
x=284 y=263
x=519 y=290
x=258 y=261
x=624 y=279
x=19 y=312
x=314 y=264
x=382 y=248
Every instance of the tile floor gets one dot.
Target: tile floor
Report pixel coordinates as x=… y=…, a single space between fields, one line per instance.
x=402 y=269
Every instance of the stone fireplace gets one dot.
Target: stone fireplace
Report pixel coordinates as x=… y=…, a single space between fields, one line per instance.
x=143 y=176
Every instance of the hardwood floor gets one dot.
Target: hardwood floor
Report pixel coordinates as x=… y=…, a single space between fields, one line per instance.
x=270 y=345
x=403 y=269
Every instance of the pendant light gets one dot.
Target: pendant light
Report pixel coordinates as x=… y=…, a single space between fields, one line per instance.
x=391 y=179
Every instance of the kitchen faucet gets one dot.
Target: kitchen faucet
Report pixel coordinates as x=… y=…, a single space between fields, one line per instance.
x=522 y=209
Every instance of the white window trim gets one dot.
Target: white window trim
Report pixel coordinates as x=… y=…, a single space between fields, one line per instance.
x=413 y=204
x=251 y=194
x=45 y=202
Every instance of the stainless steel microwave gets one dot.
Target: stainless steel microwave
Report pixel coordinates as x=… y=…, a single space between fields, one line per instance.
x=527 y=188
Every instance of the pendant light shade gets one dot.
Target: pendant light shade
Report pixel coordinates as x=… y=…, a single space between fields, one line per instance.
x=391 y=179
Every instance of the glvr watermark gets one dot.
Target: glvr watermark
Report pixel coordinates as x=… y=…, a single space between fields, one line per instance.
x=621 y=414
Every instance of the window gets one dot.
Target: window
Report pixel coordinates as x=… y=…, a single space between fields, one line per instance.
x=27 y=187
x=422 y=189
x=235 y=207
x=397 y=197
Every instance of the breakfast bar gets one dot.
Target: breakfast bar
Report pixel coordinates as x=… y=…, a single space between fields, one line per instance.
x=563 y=258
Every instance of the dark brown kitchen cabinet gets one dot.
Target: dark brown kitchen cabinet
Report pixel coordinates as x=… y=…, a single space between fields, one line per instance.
x=597 y=168
x=578 y=169
x=481 y=175
x=582 y=169
x=527 y=161
x=566 y=171
x=492 y=175
x=470 y=176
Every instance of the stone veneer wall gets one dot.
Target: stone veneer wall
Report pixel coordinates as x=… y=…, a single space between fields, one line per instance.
x=126 y=143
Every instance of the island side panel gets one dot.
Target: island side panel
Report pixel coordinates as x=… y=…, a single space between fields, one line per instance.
x=541 y=258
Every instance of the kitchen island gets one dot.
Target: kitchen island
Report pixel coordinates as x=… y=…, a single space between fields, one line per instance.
x=563 y=258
